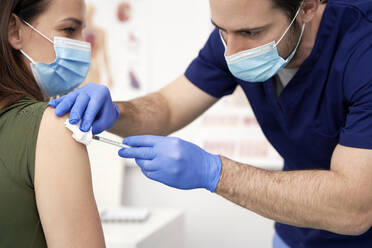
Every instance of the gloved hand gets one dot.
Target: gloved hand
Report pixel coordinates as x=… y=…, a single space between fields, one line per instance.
x=174 y=162
x=92 y=103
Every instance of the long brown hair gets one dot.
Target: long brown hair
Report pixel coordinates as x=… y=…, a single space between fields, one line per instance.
x=16 y=81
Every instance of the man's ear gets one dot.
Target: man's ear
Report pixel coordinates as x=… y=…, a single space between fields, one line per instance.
x=309 y=10
x=15 y=32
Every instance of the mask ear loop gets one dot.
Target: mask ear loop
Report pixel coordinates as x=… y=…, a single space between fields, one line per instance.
x=222 y=39
x=28 y=57
x=37 y=31
x=290 y=25
x=298 y=44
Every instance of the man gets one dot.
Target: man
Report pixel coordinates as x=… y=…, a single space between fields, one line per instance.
x=317 y=113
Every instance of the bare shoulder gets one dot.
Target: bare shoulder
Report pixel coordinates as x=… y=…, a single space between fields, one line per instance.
x=58 y=153
x=54 y=136
x=63 y=187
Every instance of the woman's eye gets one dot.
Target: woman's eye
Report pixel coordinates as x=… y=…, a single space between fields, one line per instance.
x=69 y=30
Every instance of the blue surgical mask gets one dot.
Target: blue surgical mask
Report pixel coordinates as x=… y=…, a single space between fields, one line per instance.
x=68 y=71
x=261 y=63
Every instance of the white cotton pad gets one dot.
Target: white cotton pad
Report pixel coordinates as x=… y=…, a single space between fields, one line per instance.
x=78 y=135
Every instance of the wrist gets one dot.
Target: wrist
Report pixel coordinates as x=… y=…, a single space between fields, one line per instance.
x=214 y=172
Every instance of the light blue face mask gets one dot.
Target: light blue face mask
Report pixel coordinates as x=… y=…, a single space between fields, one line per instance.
x=261 y=63
x=68 y=71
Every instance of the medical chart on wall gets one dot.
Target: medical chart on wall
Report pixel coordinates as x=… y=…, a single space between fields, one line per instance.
x=116 y=30
x=235 y=133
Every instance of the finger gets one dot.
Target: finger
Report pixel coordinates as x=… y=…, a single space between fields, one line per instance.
x=94 y=107
x=79 y=107
x=144 y=153
x=145 y=165
x=98 y=127
x=140 y=141
x=66 y=104
x=101 y=125
x=55 y=102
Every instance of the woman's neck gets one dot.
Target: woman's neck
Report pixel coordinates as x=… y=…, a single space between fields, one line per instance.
x=3 y=103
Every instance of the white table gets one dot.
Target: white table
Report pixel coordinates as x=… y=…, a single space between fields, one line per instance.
x=164 y=228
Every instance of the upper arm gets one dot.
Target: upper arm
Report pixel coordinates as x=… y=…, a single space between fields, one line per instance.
x=354 y=152
x=185 y=101
x=353 y=168
x=63 y=188
x=352 y=158
x=357 y=84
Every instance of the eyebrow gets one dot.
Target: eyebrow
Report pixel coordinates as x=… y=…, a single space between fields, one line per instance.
x=74 y=20
x=242 y=29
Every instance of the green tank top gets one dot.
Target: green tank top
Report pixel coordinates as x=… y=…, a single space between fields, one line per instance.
x=19 y=219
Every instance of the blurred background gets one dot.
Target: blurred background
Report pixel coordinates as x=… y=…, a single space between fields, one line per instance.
x=140 y=46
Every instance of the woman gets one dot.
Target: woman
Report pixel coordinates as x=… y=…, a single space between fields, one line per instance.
x=45 y=183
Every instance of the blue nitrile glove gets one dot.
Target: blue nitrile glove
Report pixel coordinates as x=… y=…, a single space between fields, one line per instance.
x=92 y=103
x=174 y=162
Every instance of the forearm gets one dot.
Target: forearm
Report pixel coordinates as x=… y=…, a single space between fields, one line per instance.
x=146 y=115
x=313 y=199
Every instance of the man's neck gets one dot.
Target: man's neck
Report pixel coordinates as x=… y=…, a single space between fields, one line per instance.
x=308 y=40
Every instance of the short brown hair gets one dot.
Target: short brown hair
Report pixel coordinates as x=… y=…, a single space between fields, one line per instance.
x=291 y=6
x=16 y=81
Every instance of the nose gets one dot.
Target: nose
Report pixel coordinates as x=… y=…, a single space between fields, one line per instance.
x=234 y=44
x=81 y=37
x=230 y=50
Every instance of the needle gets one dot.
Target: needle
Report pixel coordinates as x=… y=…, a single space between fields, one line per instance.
x=110 y=142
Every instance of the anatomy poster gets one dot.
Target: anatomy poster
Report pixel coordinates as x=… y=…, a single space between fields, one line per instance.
x=116 y=30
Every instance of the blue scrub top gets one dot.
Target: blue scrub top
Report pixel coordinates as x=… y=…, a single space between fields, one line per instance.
x=328 y=102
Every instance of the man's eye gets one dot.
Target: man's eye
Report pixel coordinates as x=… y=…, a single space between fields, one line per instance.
x=251 y=33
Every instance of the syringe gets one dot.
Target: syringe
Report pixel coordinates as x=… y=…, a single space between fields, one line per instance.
x=110 y=142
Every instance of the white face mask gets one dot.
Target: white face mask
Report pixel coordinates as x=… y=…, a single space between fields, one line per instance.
x=261 y=63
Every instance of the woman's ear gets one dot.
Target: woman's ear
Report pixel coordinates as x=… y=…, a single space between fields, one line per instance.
x=15 y=32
